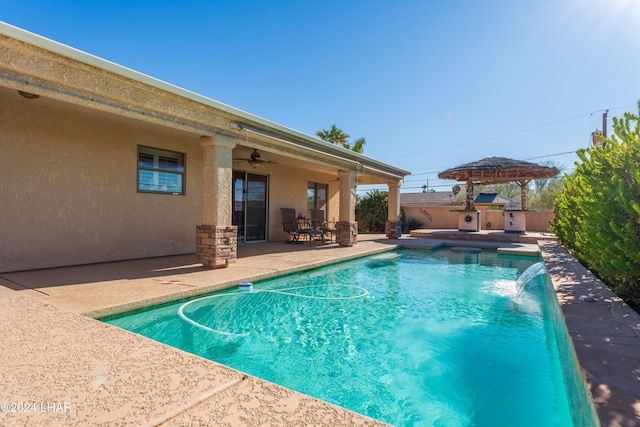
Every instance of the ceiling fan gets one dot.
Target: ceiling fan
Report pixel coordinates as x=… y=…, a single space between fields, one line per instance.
x=255 y=160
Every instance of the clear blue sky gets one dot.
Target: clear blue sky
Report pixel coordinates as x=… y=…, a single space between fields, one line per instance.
x=429 y=84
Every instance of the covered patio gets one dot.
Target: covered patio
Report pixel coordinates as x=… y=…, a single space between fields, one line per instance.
x=104 y=163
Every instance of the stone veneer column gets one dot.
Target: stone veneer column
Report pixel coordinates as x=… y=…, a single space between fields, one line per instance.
x=216 y=238
x=216 y=247
x=393 y=229
x=347 y=227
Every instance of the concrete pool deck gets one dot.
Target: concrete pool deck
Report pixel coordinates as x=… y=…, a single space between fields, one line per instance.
x=85 y=372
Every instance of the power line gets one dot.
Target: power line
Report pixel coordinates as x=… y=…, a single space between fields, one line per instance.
x=440 y=169
x=437 y=170
x=551 y=155
x=506 y=134
x=477 y=141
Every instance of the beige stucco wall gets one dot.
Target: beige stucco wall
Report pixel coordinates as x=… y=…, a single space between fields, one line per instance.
x=69 y=196
x=433 y=217
x=68 y=188
x=536 y=220
x=539 y=221
x=492 y=219
x=443 y=217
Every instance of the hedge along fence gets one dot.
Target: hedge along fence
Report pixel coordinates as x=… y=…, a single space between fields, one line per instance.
x=598 y=212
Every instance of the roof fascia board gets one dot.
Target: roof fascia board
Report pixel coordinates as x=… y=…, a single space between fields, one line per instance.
x=95 y=61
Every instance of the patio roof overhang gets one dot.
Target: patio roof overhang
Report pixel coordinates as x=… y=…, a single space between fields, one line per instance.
x=294 y=148
x=74 y=79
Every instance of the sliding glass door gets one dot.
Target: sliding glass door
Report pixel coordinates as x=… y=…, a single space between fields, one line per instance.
x=250 y=206
x=317 y=196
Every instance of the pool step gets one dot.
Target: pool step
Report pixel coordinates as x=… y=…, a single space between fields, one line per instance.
x=465 y=249
x=527 y=249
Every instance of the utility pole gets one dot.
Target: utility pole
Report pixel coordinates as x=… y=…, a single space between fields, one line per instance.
x=596 y=141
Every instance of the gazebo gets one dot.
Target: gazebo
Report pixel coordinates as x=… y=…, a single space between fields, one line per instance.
x=497 y=170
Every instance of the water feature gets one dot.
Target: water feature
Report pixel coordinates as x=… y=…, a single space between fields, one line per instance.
x=529 y=274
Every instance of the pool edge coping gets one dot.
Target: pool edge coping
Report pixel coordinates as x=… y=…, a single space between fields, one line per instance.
x=606 y=364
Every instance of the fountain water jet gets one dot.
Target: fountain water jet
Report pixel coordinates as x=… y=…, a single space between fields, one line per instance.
x=529 y=274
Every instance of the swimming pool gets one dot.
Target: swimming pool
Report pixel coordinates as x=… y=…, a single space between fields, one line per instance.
x=410 y=337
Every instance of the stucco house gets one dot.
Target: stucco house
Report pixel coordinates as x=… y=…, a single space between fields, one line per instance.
x=102 y=163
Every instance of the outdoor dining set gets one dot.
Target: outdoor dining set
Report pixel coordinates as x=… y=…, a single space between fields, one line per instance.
x=307 y=229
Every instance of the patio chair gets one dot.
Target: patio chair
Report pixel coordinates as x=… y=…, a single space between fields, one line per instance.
x=317 y=218
x=291 y=225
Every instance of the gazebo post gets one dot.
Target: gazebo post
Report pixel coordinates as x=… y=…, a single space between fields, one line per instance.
x=469 y=204
x=523 y=194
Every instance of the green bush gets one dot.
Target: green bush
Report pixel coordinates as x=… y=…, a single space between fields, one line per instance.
x=372 y=211
x=597 y=215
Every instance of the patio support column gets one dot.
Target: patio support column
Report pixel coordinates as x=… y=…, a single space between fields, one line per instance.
x=216 y=238
x=394 y=227
x=347 y=227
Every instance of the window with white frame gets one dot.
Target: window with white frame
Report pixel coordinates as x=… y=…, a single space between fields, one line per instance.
x=160 y=171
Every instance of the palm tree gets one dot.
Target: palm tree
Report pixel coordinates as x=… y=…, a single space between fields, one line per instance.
x=357 y=146
x=336 y=136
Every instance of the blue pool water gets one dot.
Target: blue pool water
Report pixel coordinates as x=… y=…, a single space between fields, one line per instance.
x=408 y=337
